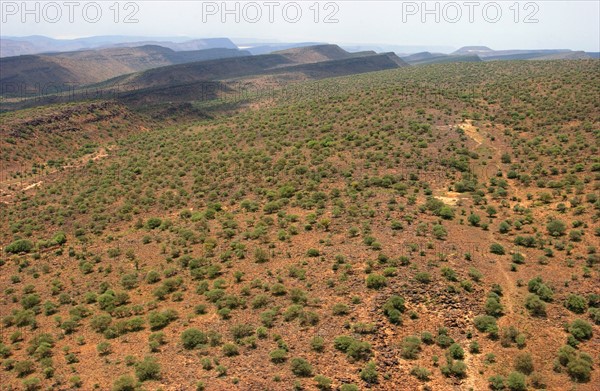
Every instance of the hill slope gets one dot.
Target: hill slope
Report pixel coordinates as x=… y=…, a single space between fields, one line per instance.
x=210 y=79
x=93 y=66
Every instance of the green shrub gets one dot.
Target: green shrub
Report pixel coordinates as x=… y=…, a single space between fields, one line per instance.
x=393 y=309
x=580 y=367
x=410 y=347
x=153 y=222
x=129 y=281
x=317 y=344
x=516 y=381
x=497 y=248
x=323 y=383
x=153 y=277
x=159 y=320
x=355 y=349
x=59 y=238
x=556 y=228
x=493 y=307
x=537 y=286
x=580 y=329
x=595 y=315
x=124 y=383
x=359 y=350
x=147 y=369
x=242 y=330
x=340 y=309
x=456 y=351
x=103 y=348
x=423 y=277
x=369 y=373
x=524 y=363
x=420 y=373
x=496 y=383
x=31 y=383
x=578 y=364
x=376 y=281
x=230 y=349
x=485 y=323
x=261 y=255
x=19 y=246
x=4 y=350
x=535 y=306
x=23 y=368
x=193 y=338
x=454 y=368
x=576 y=304
x=278 y=356
x=474 y=220
x=301 y=367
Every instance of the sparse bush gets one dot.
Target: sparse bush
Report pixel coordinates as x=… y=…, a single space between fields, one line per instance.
x=278 y=356
x=580 y=329
x=456 y=351
x=301 y=367
x=423 y=277
x=420 y=373
x=496 y=248
x=524 y=363
x=193 y=338
x=147 y=369
x=576 y=304
x=317 y=344
x=516 y=381
x=376 y=281
x=19 y=246
x=410 y=347
x=124 y=383
x=369 y=373
x=485 y=323
x=393 y=309
x=323 y=383
x=454 y=368
x=23 y=368
x=535 y=306
x=556 y=228
x=230 y=349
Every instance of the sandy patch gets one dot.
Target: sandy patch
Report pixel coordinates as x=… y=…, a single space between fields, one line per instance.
x=471 y=131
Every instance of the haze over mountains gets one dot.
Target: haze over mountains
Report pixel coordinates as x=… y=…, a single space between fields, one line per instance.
x=16 y=46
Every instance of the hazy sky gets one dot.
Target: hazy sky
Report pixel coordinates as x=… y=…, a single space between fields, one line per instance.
x=499 y=25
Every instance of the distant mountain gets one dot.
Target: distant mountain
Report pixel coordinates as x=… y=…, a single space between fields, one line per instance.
x=266 y=48
x=405 y=49
x=196 y=44
x=345 y=66
x=578 y=55
x=425 y=58
x=421 y=56
x=316 y=53
x=206 y=79
x=278 y=62
x=479 y=50
x=35 y=44
x=487 y=54
x=93 y=66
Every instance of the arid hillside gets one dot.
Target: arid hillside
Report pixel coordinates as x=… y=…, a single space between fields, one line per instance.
x=417 y=228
